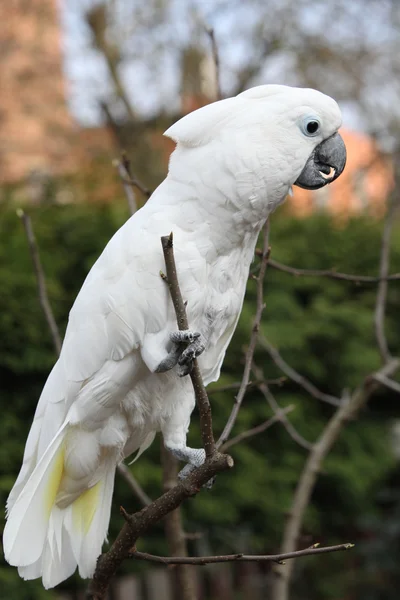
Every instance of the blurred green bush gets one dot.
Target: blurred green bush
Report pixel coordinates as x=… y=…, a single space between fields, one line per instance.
x=323 y=328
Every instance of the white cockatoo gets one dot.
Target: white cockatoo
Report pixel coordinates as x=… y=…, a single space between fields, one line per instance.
x=119 y=378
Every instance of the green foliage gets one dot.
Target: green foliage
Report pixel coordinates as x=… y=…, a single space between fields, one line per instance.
x=323 y=328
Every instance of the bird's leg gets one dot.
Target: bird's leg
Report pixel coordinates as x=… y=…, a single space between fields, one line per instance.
x=186 y=346
x=174 y=430
x=194 y=457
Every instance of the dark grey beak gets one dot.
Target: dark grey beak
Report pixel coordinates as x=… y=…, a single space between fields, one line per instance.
x=324 y=165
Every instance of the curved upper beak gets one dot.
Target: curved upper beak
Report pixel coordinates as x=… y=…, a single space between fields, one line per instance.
x=324 y=165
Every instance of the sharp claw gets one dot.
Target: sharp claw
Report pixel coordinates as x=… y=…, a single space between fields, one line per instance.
x=184 y=369
x=170 y=360
x=185 y=336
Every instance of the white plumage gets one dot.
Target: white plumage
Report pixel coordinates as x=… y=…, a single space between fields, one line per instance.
x=234 y=163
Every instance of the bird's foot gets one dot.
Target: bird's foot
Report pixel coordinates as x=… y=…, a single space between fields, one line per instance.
x=186 y=346
x=195 y=457
x=187 y=469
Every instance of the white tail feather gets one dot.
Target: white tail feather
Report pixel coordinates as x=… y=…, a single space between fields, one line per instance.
x=29 y=516
x=42 y=539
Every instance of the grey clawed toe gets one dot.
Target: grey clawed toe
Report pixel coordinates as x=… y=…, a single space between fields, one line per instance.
x=186 y=346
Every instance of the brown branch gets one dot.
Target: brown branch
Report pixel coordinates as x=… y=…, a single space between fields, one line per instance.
x=202 y=400
x=215 y=54
x=279 y=381
x=295 y=376
x=381 y=296
x=96 y=18
x=133 y=484
x=128 y=186
x=389 y=383
x=331 y=274
x=253 y=340
x=174 y=531
x=138 y=523
x=245 y=435
x=270 y=398
x=40 y=280
x=346 y=412
x=205 y=560
x=131 y=180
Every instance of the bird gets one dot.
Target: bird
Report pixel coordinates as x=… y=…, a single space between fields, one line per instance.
x=121 y=374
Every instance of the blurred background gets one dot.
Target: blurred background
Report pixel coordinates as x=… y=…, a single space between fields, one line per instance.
x=83 y=80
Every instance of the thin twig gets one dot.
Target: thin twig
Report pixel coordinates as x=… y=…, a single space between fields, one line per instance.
x=381 y=296
x=270 y=398
x=279 y=381
x=130 y=178
x=295 y=376
x=128 y=187
x=183 y=576
x=205 y=560
x=253 y=340
x=203 y=402
x=347 y=411
x=389 y=383
x=358 y=279
x=138 y=523
x=134 y=485
x=215 y=54
x=245 y=435
x=40 y=280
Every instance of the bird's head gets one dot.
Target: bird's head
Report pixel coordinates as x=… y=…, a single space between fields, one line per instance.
x=289 y=134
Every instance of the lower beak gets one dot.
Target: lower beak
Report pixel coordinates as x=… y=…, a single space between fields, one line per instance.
x=324 y=165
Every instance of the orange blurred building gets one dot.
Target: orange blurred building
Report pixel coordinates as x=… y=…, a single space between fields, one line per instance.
x=38 y=134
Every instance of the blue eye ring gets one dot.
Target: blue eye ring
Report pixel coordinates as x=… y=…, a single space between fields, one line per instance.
x=311 y=126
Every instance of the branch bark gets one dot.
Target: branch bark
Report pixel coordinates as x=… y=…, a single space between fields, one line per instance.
x=346 y=412
x=203 y=402
x=253 y=340
x=381 y=296
x=205 y=560
x=134 y=485
x=245 y=435
x=140 y=522
x=295 y=376
x=40 y=280
x=215 y=54
x=270 y=398
x=174 y=532
x=358 y=279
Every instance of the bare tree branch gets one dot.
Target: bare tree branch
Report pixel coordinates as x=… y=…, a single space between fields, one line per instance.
x=203 y=402
x=130 y=178
x=292 y=431
x=128 y=186
x=215 y=54
x=358 y=279
x=137 y=524
x=40 y=280
x=381 y=296
x=253 y=340
x=245 y=435
x=205 y=560
x=389 y=383
x=96 y=18
x=346 y=412
x=279 y=381
x=174 y=531
x=295 y=376
x=134 y=485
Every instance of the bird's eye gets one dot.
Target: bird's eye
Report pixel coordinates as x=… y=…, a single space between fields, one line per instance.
x=310 y=126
